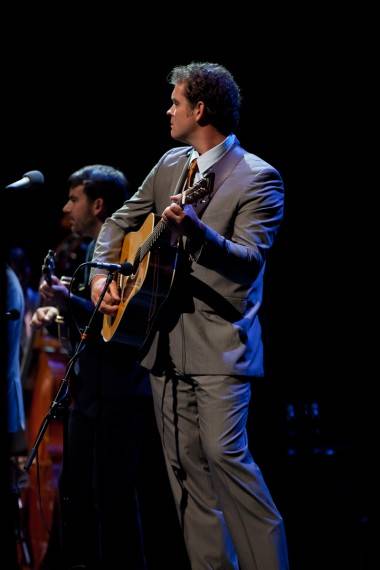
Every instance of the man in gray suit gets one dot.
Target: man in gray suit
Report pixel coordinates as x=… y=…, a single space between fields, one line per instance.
x=207 y=344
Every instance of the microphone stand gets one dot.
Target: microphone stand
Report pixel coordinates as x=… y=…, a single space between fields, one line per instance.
x=62 y=396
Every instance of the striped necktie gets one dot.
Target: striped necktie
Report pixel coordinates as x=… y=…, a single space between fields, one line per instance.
x=193 y=168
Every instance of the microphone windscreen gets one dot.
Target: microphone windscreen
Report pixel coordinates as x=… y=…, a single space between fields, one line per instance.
x=35 y=177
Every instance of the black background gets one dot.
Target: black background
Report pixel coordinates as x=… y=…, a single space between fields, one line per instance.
x=79 y=90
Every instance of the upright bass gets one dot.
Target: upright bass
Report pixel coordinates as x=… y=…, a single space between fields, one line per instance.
x=41 y=492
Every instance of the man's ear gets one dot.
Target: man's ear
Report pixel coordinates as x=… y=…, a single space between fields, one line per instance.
x=98 y=206
x=201 y=114
x=199 y=110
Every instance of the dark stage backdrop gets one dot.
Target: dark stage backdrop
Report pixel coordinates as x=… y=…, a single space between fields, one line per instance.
x=88 y=95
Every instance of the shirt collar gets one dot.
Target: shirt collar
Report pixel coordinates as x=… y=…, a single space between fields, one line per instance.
x=212 y=156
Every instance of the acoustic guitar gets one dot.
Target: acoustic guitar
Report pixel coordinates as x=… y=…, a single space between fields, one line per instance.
x=153 y=258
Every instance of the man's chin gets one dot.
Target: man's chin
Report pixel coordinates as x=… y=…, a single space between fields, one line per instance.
x=178 y=138
x=76 y=231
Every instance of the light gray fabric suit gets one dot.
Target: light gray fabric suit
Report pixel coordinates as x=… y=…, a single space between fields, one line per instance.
x=211 y=336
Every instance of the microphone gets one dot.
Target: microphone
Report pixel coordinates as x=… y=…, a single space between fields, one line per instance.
x=123 y=268
x=28 y=179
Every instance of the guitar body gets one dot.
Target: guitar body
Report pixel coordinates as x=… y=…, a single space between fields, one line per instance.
x=143 y=293
x=154 y=259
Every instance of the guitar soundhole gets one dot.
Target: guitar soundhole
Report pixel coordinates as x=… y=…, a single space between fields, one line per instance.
x=126 y=283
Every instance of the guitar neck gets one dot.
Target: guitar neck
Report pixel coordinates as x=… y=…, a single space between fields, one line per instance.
x=147 y=245
x=200 y=189
x=48 y=266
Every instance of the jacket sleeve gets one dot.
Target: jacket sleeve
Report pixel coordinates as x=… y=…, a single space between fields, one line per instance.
x=127 y=218
x=241 y=254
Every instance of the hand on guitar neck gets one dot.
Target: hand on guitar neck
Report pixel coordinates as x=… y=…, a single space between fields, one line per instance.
x=52 y=289
x=183 y=218
x=54 y=294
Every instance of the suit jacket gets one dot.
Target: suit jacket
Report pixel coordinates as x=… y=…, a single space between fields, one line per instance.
x=210 y=323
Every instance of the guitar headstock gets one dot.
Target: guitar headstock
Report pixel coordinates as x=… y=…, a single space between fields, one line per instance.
x=199 y=190
x=48 y=266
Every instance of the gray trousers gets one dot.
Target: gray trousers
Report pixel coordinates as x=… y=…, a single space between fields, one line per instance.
x=226 y=512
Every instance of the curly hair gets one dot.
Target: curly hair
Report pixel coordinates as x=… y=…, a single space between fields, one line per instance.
x=215 y=86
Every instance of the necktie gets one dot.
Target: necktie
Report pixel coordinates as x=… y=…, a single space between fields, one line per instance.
x=193 y=168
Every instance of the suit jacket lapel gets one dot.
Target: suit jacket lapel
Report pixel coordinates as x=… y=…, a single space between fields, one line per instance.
x=222 y=170
x=182 y=174
x=226 y=165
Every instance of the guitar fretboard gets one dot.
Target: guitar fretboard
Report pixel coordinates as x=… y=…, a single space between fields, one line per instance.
x=150 y=241
x=189 y=196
